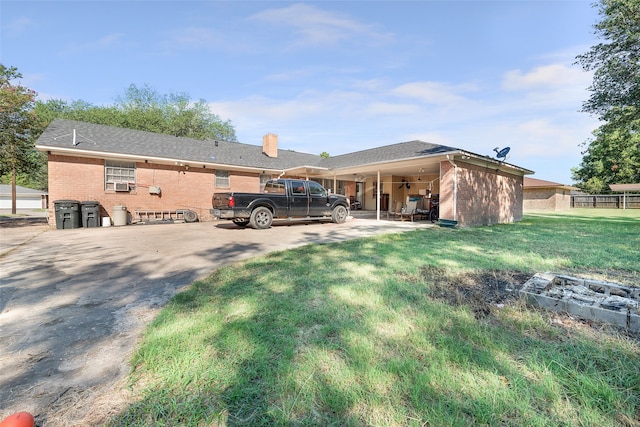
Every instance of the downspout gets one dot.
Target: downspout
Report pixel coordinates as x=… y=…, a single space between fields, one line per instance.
x=455 y=187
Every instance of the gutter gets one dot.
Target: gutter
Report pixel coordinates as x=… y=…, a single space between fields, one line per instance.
x=148 y=159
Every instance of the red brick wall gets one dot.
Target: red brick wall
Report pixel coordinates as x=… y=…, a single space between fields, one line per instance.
x=546 y=199
x=82 y=179
x=484 y=197
x=243 y=182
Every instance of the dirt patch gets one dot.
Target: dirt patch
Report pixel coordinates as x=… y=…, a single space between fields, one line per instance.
x=483 y=291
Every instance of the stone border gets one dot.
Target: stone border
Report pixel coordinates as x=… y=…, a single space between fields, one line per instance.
x=586 y=298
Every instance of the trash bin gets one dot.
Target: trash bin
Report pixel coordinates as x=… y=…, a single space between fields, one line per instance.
x=67 y=214
x=90 y=213
x=119 y=215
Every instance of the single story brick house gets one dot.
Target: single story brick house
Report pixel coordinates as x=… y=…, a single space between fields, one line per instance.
x=546 y=195
x=144 y=171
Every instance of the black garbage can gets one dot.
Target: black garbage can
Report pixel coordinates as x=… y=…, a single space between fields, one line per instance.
x=67 y=213
x=90 y=214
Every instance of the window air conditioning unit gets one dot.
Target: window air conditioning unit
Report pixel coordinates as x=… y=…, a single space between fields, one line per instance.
x=122 y=186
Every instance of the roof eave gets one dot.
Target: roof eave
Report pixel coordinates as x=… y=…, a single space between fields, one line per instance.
x=151 y=159
x=481 y=160
x=307 y=169
x=561 y=187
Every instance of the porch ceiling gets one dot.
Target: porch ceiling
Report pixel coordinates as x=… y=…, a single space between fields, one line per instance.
x=414 y=167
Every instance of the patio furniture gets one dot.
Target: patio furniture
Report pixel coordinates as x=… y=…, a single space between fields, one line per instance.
x=394 y=210
x=409 y=211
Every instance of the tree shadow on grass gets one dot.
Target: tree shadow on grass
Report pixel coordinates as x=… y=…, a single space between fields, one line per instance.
x=269 y=343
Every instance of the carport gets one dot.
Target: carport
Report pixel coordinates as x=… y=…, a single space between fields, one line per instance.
x=624 y=189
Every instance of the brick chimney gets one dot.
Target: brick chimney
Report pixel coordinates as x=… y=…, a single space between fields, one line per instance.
x=270 y=145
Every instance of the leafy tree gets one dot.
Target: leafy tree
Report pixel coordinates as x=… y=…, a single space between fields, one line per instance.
x=139 y=108
x=17 y=119
x=173 y=114
x=325 y=155
x=613 y=155
x=145 y=109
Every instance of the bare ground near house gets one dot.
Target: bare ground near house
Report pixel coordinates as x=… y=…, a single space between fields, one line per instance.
x=73 y=303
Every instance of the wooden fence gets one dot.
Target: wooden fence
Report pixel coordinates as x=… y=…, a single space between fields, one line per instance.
x=606 y=201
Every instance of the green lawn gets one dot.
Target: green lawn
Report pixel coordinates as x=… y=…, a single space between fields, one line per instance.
x=411 y=329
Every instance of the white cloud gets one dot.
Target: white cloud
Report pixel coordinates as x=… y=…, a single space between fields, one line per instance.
x=314 y=26
x=543 y=77
x=20 y=25
x=262 y=110
x=539 y=121
x=293 y=74
x=380 y=108
x=106 y=42
x=434 y=93
x=197 y=37
x=205 y=38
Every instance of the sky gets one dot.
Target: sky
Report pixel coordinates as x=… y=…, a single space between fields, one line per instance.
x=331 y=76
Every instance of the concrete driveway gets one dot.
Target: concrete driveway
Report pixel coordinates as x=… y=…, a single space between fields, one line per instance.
x=73 y=303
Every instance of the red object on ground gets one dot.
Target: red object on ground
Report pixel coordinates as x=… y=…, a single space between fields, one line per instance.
x=19 y=419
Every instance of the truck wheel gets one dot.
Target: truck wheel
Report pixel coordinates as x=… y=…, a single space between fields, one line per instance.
x=261 y=218
x=241 y=222
x=339 y=214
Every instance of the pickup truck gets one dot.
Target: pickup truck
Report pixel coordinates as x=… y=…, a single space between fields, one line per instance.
x=282 y=198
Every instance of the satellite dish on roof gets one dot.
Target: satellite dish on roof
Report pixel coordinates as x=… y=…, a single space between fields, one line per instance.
x=502 y=154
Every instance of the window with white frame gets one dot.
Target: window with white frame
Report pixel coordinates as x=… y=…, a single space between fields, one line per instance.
x=119 y=175
x=222 y=179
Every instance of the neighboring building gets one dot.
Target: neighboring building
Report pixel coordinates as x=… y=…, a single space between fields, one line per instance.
x=26 y=198
x=630 y=195
x=546 y=195
x=148 y=171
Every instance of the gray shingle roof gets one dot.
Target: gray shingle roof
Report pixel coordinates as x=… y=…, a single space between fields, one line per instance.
x=5 y=189
x=387 y=153
x=110 y=141
x=113 y=141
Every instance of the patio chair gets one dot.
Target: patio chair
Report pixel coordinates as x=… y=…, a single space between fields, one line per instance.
x=394 y=210
x=408 y=211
